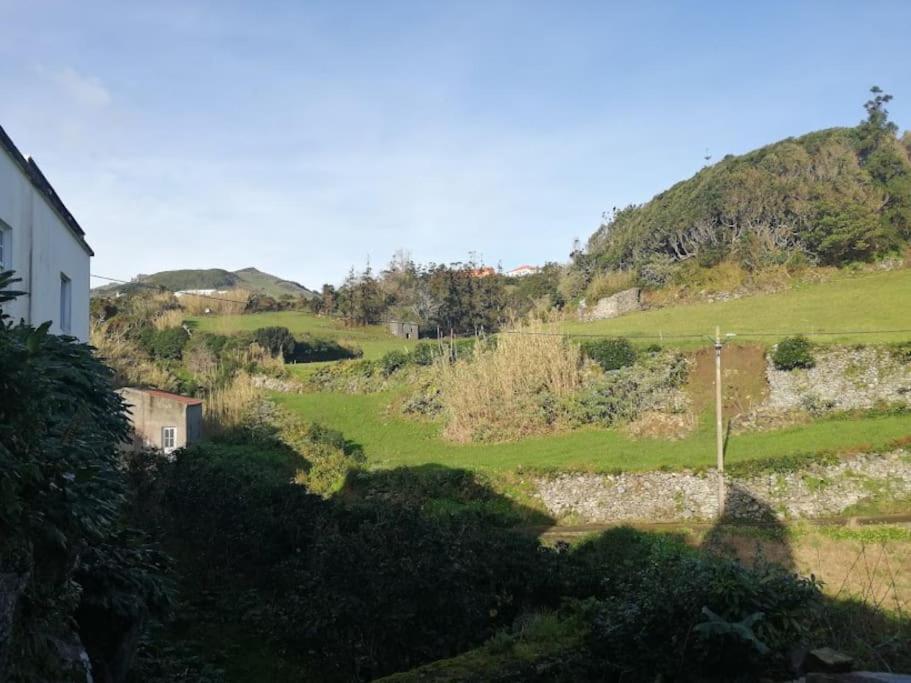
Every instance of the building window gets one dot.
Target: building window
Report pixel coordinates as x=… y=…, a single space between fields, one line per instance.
x=168 y=438
x=6 y=248
x=66 y=303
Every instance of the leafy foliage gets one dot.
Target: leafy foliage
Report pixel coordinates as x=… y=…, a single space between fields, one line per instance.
x=367 y=589
x=701 y=614
x=628 y=391
x=792 y=353
x=276 y=340
x=61 y=497
x=833 y=196
x=610 y=354
x=167 y=344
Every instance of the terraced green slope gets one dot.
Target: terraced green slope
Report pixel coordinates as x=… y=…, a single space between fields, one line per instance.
x=861 y=307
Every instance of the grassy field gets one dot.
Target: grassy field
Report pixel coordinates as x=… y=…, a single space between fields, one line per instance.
x=861 y=304
x=374 y=340
x=390 y=440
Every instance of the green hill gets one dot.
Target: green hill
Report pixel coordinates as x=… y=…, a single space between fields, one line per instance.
x=829 y=197
x=213 y=278
x=862 y=308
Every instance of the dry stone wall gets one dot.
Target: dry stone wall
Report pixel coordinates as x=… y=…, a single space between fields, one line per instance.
x=817 y=491
x=843 y=379
x=626 y=301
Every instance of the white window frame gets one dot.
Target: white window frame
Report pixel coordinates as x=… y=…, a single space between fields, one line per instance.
x=6 y=247
x=168 y=434
x=66 y=303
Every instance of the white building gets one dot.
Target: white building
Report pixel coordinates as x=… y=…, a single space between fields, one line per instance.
x=523 y=270
x=42 y=242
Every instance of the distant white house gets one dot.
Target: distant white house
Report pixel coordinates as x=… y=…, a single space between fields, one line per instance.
x=199 y=292
x=43 y=243
x=523 y=270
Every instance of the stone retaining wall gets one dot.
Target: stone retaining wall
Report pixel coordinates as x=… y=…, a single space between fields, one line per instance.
x=843 y=379
x=817 y=491
x=626 y=301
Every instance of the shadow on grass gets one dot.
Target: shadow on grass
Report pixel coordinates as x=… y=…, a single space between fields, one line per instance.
x=406 y=566
x=439 y=491
x=870 y=625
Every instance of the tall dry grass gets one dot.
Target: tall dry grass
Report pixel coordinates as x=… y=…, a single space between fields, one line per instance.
x=509 y=390
x=232 y=406
x=130 y=364
x=147 y=305
x=610 y=282
x=172 y=317
x=230 y=302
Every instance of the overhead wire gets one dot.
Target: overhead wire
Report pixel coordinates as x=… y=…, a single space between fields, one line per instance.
x=582 y=335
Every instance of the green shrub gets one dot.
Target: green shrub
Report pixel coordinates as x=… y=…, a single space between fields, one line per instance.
x=424 y=353
x=70 y=570
x=165 y=344
x=792 y=353
x=365 y=589
x=628 y=391
x=710 y=615
x=276 y=340
x=392 y=361
x=610 y=354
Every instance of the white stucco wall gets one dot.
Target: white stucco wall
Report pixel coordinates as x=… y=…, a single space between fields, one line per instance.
x=43 y=248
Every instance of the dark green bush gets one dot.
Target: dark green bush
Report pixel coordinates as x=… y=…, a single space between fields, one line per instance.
x=216 y=343
x=424 y=353
x=276 y=340
x=702 y=614
x=610 y=354
x=394 y=360
x=367 y=589
x=792 y=353
x=164 y=344
x=711 y=255
x=69 y=570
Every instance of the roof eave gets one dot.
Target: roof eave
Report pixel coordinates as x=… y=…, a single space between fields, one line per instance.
x=38 y=180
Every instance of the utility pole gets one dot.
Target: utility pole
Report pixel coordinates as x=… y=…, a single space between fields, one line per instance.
x=719 y=423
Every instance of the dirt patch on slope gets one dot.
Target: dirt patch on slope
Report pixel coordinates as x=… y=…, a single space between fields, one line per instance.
x=743 y=379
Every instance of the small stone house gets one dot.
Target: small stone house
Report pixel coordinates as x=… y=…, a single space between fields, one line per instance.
x=403 y=329
x=163 y=420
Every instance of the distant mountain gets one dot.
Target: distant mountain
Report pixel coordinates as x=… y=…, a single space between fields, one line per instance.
x=252 y=279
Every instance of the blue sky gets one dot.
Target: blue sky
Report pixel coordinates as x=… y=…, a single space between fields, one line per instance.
x=303 y=138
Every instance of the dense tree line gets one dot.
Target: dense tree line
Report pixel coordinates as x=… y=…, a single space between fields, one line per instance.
x=830 y=197
x=461 y=298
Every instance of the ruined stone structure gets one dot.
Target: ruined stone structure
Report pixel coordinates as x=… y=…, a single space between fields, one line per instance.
x=626 y=301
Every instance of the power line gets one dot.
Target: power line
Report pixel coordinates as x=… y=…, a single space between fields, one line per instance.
x=631 y=335
x=160 y=288
x=586 y=335
x=649 y=335
x=820 y=333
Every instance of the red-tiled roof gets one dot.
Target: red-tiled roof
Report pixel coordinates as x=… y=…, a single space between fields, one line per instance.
x=173 y=397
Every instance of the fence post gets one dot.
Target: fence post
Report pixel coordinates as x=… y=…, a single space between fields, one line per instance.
x=719 y=423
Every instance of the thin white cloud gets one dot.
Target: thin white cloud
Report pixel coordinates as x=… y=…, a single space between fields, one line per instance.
x=85 y=90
